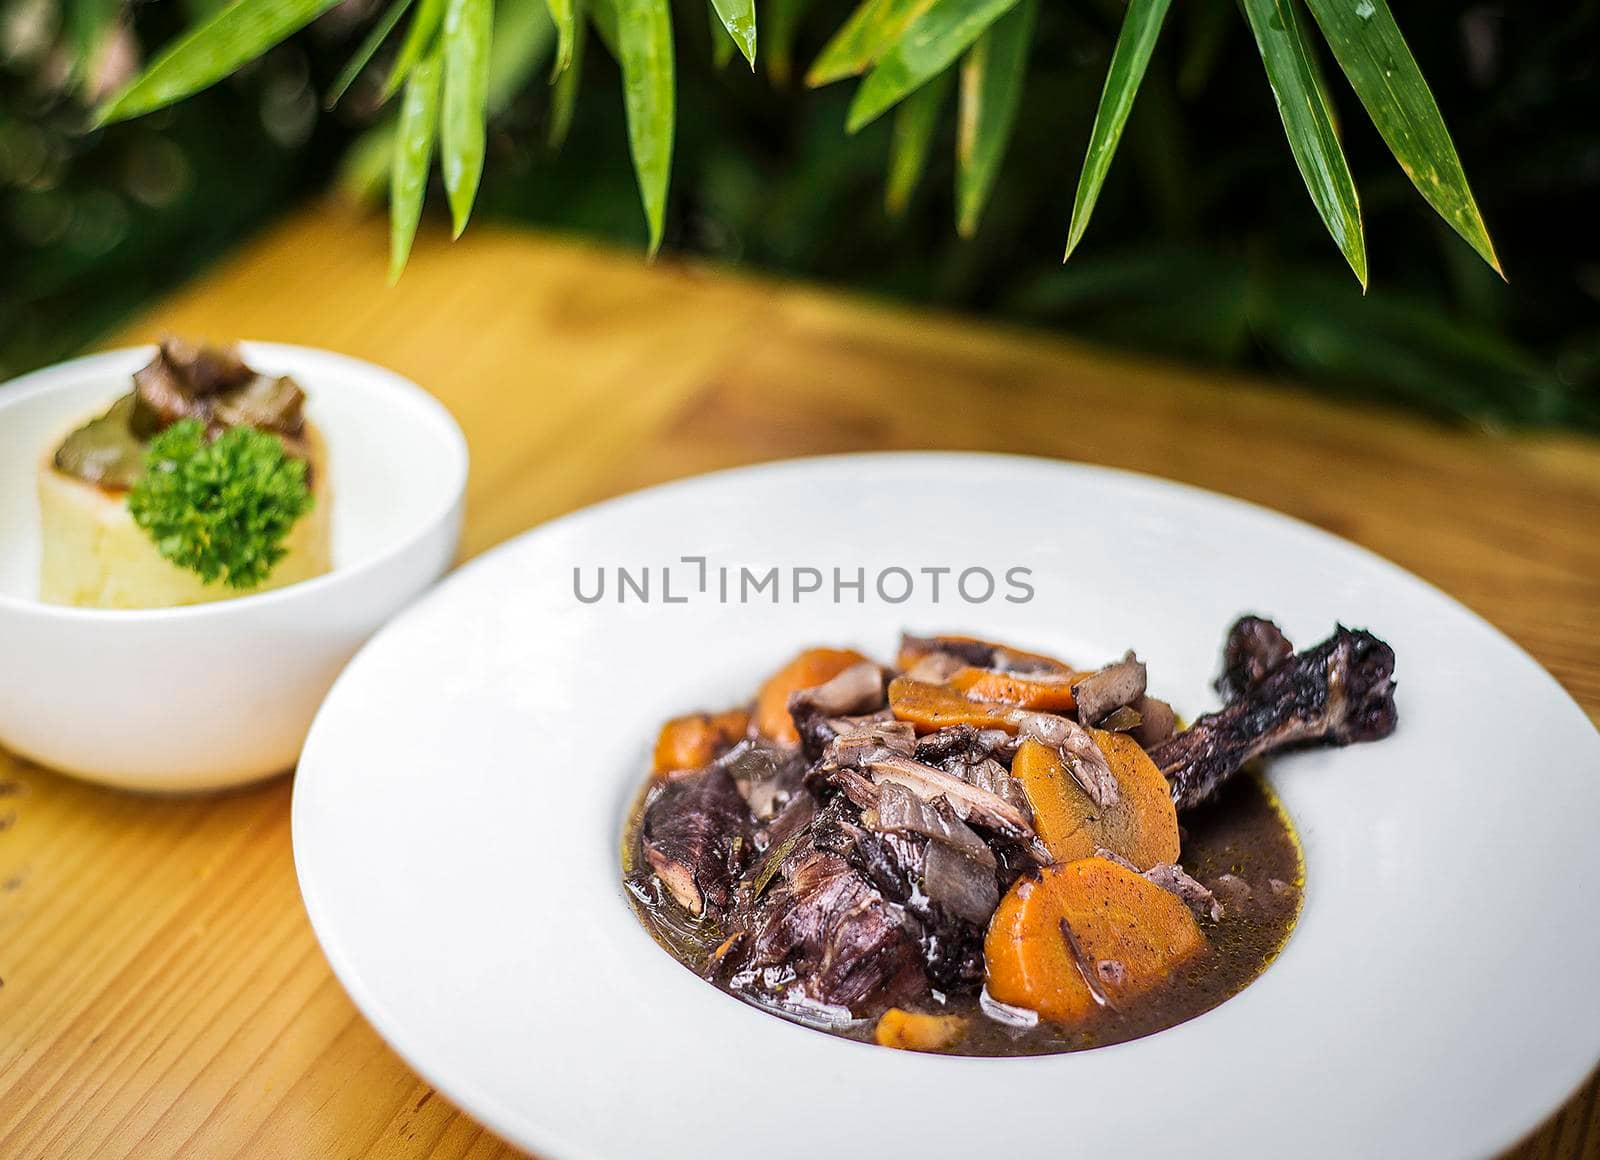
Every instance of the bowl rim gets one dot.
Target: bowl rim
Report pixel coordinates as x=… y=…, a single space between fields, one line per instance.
x=451 y=441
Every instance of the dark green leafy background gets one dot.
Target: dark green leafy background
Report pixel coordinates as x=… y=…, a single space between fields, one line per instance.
x=1204 y=245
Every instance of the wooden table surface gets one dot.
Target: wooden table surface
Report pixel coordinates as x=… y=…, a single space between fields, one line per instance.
x=163 y=994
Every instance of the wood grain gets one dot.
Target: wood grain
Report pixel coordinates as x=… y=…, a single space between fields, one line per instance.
x=163 y=994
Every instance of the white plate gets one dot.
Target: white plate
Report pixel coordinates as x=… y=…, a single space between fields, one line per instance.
x=459 y=801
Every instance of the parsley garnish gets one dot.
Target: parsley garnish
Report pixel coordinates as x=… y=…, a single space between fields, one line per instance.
x=220 y=508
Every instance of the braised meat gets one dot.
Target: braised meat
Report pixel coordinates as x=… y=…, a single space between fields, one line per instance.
x=985 y=853
x=696 y=837
x=1254 y=648
x=1338 y=693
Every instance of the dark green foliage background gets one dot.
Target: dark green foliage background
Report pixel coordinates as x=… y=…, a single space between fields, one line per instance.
x=1205 y=246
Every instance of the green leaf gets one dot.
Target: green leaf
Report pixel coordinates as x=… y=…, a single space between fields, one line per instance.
x=641 y=31
x=914 y=124
x=468 y=27
x=412 y=152
x=564 y=15
x=872 y=30
x=603 y=13
x=1375 y=59
x=722 y=45
x=207 y=53
x=1135 y=43
x=363 y=55
x=565 y=98
x=781 y=21
x=991 y=91
x=419 y=39
x=523 y=34
x=739 y=18
x=1310 y=128
x=939 y=35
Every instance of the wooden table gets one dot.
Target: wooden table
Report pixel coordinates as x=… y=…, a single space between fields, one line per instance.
x=162 y=991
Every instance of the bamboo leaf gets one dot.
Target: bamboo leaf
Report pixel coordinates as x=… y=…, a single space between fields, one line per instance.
x=523 y=34
x=910 y=141
x=938 y=36
x=564 y=15
x=210 y=51
x=1375 y=59
x=419 y=39
x=603 y=14
x=363 y=55
x=722 y=45
x=1135 y=43
x=468 y=28
x=991 y=92
x=872 y=30
x=640 y=35
x=412 y=152
x=739 y=18
x=1306 y=120
x=781 y=21
x=565 y=99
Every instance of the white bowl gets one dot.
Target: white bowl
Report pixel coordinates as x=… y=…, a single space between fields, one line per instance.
x=218 y=694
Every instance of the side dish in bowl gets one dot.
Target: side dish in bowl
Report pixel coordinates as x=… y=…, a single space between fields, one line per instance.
x=987 y=851
x=176 y=607
x=204 y=481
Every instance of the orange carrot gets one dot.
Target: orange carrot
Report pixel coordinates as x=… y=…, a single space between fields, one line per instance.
x=1045 y=692
x=693 y=741
x=913 y=649
x=911 y=1031
x=930 y=707
x=813 y=667
x=1141 y=824
x=1085 y=937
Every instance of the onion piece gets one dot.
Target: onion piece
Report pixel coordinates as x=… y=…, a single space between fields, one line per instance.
x=901 y=811
x=958 y=884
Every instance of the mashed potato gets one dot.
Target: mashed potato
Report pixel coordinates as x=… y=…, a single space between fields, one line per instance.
x=95 y=556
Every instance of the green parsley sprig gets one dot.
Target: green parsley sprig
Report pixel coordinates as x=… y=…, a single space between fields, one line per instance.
x=220 y=508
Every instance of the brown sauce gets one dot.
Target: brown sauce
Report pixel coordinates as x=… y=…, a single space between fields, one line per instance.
x=1241 y=845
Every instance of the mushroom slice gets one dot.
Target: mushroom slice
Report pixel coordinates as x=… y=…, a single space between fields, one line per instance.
x=1109 y=689
x=1174 y=879
x=858 y=689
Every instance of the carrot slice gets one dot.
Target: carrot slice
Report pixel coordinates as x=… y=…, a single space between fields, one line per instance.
x=1081 y=938
x=930 y=707
x=811 y=668
x=1046 y=692
x=693 y=741
x=914 y=649
x=1141 y=825
x=912 y=1031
